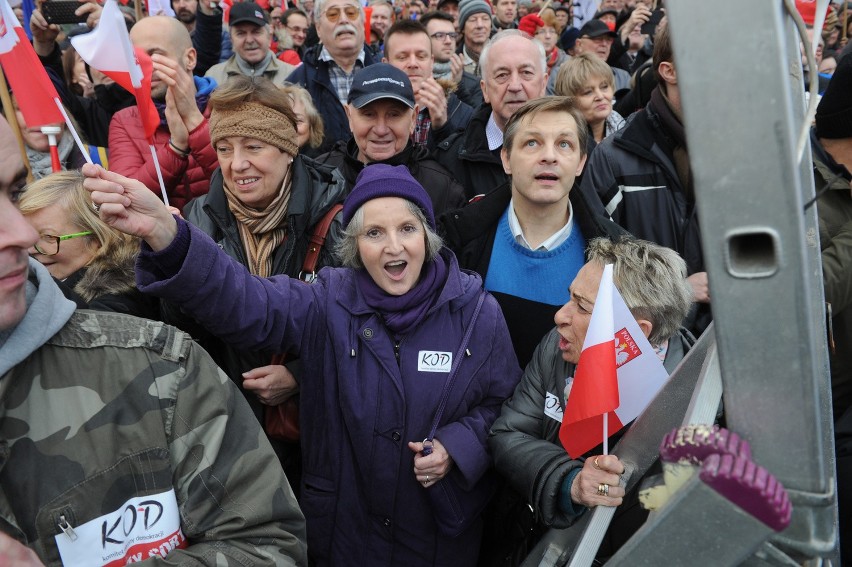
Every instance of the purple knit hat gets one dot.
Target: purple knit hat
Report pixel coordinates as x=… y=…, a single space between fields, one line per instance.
x=382 y=180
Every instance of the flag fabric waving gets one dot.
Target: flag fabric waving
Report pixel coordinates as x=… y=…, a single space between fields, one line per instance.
x=617 y=376
x=33 y=89
x=108 y=49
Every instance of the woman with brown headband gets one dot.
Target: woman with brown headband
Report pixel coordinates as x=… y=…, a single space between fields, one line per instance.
x=262 y=208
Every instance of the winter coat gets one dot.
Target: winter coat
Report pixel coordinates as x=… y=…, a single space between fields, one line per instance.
x=207 y=40
x=446 y=194
x=313 y=75
x=470 y=233
x=113 y=414
x=459 y=114
x=277 y=71
x=466 y=156
x=633 y=174
x=108 y=286
x=469 y=90
x=525 y=438
x=834 y=207
x=184 y=178
x=369 y=394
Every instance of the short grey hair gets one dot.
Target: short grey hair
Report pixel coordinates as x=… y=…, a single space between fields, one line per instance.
x=347 y=248
x=503 y=34
x=320 y=4
x=651 y=279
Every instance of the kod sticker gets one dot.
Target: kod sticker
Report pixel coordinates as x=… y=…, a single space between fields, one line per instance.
x=434 y=361
x=552 y=407
x=144 y=527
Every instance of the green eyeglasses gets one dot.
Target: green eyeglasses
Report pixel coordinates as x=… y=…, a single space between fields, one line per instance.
x=48 y=244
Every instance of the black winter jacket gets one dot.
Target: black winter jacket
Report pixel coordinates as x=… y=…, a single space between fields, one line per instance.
x=467 y=157
x=446 y=194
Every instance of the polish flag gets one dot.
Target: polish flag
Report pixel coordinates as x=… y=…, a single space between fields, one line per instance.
x=108 y=49
x=618 y=374
x=33 y=89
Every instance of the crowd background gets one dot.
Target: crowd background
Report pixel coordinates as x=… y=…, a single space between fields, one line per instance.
x=522 y=133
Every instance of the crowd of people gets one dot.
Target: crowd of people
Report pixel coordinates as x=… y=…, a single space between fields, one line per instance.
x=348 y=334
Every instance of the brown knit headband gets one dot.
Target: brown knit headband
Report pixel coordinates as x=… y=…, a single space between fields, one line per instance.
x=254 y=120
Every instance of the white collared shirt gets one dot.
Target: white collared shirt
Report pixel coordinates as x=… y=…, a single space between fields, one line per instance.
x=493 y=133
x=551 y=243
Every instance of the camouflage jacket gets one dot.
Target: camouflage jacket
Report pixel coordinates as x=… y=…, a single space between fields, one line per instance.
x=121 y=441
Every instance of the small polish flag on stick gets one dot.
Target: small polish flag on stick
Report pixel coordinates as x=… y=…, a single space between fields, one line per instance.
x=618 y=374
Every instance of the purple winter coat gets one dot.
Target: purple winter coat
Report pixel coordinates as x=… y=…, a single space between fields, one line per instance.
x=359 y=404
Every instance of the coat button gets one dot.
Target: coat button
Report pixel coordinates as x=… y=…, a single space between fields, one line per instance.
x=368 y=333
x=387 y=522
x=396 y=436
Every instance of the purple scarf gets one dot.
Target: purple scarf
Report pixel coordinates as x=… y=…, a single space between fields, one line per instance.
x=402 y=312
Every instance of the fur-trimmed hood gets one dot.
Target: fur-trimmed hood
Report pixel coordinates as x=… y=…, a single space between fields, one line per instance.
x=104 y=277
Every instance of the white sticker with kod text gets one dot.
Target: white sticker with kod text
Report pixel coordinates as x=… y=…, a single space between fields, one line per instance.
x=434 y=361
x=144 y=527
x=552 y=407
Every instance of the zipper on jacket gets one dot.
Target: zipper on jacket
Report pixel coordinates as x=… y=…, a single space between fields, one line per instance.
x=396 y=351
x=63 y=525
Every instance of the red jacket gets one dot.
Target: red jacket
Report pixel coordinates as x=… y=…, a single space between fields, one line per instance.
x=184 y=178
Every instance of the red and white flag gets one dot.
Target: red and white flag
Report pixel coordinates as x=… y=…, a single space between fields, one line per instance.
x=618 y=374
x=108 y=49
x=33 y=89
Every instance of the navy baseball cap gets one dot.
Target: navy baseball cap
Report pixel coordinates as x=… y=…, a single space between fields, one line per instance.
x=595 y=28
x=378 y=81
x=247 y=12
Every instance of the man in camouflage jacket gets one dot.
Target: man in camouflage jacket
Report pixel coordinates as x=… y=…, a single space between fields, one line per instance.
x=120 y=440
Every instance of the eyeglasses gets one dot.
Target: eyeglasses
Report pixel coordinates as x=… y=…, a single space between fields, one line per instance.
x=48 y=244
x=442 y=35
x=296 y=29
x=333 y=13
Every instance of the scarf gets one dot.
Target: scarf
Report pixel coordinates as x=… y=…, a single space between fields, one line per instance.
x=442 y=70
x=401 y=313
x=203 y=87
x=551 y=59
x=261 y=231
x=40 y=161
x=672 y=123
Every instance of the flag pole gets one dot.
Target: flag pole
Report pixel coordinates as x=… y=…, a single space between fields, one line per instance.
x=51 y=132
x=12 y=119
x=73 y=131
x=606 y=434
x=159 y=173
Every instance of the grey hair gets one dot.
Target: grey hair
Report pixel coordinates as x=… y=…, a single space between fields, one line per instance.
x=320 y=4
x=651 y=279
x=347 y=248
x=503 y=34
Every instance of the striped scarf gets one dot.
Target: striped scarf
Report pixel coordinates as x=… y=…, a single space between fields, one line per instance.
x=261 y=231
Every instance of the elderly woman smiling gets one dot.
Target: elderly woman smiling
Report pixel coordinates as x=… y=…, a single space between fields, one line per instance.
x=399 y=392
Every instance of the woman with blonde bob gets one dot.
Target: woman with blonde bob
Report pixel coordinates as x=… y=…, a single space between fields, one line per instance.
x=309 y=125
x=590 y=82
x=77 y=247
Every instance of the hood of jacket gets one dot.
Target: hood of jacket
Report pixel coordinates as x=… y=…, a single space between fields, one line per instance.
x=47 y=312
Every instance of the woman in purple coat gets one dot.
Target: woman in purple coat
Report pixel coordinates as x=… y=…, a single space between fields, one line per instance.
x=407 y=361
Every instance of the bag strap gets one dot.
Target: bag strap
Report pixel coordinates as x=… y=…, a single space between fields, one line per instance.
x=448 y=386
x=309 y=266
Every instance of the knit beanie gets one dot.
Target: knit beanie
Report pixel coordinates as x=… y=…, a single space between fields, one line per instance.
x=382 y=180
x=254 y=120
x=467 y=8
x=834 y=113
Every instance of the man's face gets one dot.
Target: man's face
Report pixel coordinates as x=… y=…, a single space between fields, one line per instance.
x=545 y=160
x=415 y=10
x=598 y=46
x=16 y=235
x=412 y=54
x=506 y=11
x=477 y=30
x=561 y=19
x=297 y=28
x=444 y=46
x=382 y=17
x=147 y=35
x=513 y=77
x=251 y=42
x=381 y=128
x=185 y=10
x=341 y=27
x=453 y=10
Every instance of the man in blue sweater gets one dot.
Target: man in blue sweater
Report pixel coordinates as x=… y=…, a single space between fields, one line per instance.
x=528 y=237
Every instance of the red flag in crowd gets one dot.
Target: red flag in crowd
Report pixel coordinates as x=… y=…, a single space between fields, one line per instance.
x=108 y=49
x=618 y=374
x=33 y=89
